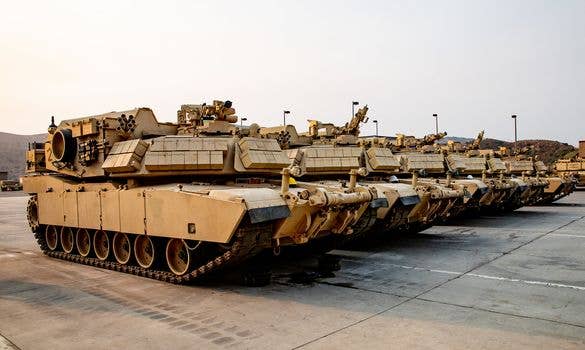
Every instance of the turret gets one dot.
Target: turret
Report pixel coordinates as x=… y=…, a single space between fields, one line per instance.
x=79 y=147
x=133 y=144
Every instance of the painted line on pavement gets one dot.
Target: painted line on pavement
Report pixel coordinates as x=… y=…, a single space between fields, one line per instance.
x=506 y=279
x=566 y=235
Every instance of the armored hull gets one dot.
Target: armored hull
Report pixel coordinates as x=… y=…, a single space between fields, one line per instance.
x=573 y=170
x=528 y=178
x=402 y=199
x=556 y=188
x=441 y=200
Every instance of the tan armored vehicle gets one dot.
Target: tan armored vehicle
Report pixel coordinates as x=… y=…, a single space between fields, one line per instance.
x=573 y=169
x=521 y=168
x=485 y=183
x=467 y=169
x=419 y=159
x=327 y=151
x=10 y=185
x=501 y=189
x=401 y=162
x=557 y=186
x=174 y=201
x=403 y=198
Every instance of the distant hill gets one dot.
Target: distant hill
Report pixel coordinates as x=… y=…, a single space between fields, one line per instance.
x=12 y=152
x=455 y=139
x=548 y=150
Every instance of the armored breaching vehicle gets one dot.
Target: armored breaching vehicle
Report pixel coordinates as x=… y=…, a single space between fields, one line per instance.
x=323 y=156
x=403 y=198
x=486 y=184
x=557 y=186
x=573 y=168
x=327 y=151
x=521 y=169
x=467 y=168
x=173 y=201
x=381 y=168
x=410 y=207
x=503 y=193
x=423 y=166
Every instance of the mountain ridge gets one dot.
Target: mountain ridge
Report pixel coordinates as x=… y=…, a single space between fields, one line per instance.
x=12 y=152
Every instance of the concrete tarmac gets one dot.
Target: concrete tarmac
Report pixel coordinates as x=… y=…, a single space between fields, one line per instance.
x=495 y=282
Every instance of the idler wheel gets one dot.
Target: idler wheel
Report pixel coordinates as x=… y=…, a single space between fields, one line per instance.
x=51 y=237
x=101 y=245
x=32 y=214
x=178 y=256
x=83 y=242
x=144 y=251
x=122 y=248
x=67 y=239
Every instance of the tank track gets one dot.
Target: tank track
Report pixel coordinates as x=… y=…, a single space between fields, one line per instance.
x=398 y=220
x=244 y=246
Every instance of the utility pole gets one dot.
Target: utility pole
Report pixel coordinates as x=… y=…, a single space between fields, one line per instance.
x=514 y=116
x=284 y=113
x=242 y=120
x=436 y=116
x=353 y=104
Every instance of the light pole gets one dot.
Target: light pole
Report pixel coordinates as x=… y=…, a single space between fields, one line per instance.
x=242 y=120
x=514 y=116
x=284 y=113
x=436 y=116
x=353 y=104
x=376 y=122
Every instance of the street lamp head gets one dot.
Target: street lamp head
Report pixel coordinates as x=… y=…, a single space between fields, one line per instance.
x=375 y=121
x=286 y=112
x=435 y=115
x=355 y=103
x=244 y=119
x=514 y=116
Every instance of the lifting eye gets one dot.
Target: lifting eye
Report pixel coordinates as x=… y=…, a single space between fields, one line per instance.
x=62 y=146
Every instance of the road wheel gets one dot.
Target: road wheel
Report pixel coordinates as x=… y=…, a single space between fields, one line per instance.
x=101 y=245
x=122 y=248
x=144 y=251
x=178 y=256
x=67 y=239
x=52 y=237
x=83 y=242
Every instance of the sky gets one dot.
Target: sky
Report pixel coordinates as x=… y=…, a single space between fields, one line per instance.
x=473 y=62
